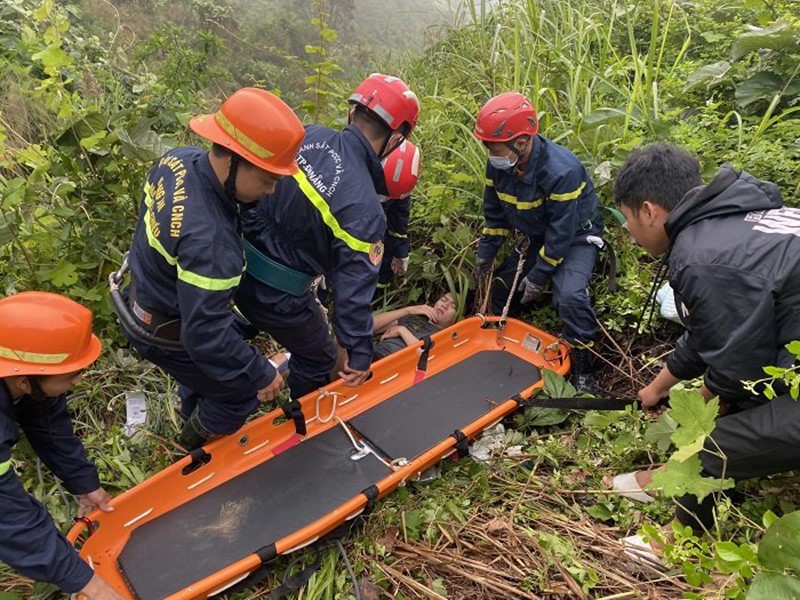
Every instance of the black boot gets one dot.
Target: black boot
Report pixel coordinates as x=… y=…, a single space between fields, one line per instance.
x=193 y=435
x=582 y=377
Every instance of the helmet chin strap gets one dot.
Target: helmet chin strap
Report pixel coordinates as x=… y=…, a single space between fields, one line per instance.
x=511 y=145
x=383 y=153
x=230 y=180
x=37 y=393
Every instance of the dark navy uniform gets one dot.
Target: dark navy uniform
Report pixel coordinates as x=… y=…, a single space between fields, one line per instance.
x=326 y=220
x=187 y=259
x=555 y=206
x=29 y=540
x=396 y=243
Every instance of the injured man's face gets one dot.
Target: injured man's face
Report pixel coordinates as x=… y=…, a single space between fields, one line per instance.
x=445 y=308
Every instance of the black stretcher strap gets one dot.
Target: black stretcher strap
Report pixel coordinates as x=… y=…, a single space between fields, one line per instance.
x=294 y=411
x=422 y=363
x=372 y=497
x=462 y=443
x=576 y=403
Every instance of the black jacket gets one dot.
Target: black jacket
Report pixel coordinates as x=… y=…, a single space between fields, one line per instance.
x=734 y=263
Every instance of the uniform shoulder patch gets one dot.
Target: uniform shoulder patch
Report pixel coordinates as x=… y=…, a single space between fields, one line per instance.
x=376 y=253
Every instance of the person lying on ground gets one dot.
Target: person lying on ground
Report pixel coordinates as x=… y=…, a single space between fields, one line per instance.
x=404 y=326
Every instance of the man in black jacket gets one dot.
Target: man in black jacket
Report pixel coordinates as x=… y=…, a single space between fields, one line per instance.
x=733 y=254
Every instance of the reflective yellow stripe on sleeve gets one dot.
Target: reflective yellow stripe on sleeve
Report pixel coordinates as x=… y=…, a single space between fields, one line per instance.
x=550 y=261
x=327 y=216
x=489 y=183
x=4 y=467
x=568 y=195
x=495 y=231
x=201 y=281
x=520 y=204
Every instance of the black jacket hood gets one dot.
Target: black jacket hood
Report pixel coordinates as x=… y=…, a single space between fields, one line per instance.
x=730 y=192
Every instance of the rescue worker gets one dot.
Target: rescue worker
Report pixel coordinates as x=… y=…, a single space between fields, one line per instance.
x=732 y=251
x=46 y=342
x=542 y=190
x=187 y=260
x=327 y=220
x=401 y=169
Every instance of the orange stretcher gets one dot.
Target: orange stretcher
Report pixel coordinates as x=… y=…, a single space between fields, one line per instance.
x=211 y=519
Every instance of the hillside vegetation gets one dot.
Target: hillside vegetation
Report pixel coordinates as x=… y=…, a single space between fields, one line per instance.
x=92 y=91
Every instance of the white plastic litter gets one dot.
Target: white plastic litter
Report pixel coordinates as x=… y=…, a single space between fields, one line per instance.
x=666 y=298
x=135 y=411
x=493 y=443
x=639 y=551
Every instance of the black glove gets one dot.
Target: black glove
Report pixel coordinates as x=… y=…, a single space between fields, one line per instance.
x=481 y=269
x=530 y=291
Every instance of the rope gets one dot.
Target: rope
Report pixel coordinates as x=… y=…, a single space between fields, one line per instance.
x=394 y=465
x=522 y=250
x=334 y=405
x=483 y=294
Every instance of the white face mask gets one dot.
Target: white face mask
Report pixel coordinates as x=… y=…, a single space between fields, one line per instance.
x=504 y=163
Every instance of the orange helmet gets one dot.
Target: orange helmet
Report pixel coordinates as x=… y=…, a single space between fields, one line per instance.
x=258 y=126
x=401 y=169
x=45 y=334
x=506 y=117
x=390 y=99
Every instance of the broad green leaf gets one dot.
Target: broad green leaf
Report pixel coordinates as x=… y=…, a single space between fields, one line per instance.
x=600 y=512
x=779 y=36
x=64 y=275
x=780 y=547
x=556 y=386
x=768 y=519
x=602 y=116
x=679 y=478
x=695 y=418
x=707 y=75
x=660 y=432
x=53 y=57
x=620 y=218
x=601 y=419
x=761 y=86
x=540 y=417
x=732 y=553
x=794 y=348
x=772 y=586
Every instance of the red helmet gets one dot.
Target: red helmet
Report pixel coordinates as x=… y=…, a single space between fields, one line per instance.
x=45 y=334
x=258 y=126
x=401 y=169
x=390 y=99
x=506 y=117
